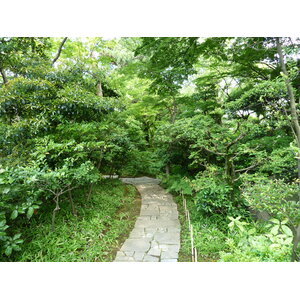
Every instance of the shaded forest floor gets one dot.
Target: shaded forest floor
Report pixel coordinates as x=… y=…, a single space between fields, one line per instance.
x=102 y=225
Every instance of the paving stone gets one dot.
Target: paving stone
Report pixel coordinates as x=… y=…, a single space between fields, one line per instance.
x=174 y=229
x=169 y=255
x=150 y=230
x=129 y=253
x=124 y=258
x=172 y=212
x=167 y=238
x=170 y=248
x=120 y=253
x=149 y=212
x=139 y=245
x=149 y=235
x=138 y=256
x=154 y=245
x=166 y=218
x=137 y=233
x=150 y=258
x=153 y=206
x=155 y=252
x=163 y=223
x=168 y=260
x=143 y=218
x=162 y=229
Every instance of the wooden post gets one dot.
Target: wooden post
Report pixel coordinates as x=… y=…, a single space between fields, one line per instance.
x=195 y=253
x=192 y=242
x=189 y=220
x=185 y=208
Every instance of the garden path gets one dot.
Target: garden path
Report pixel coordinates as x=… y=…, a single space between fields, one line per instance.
x=156 y=235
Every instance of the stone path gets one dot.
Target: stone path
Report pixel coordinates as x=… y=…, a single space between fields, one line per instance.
x=156 y=235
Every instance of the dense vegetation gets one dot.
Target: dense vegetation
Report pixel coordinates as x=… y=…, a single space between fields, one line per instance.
x=217 y=119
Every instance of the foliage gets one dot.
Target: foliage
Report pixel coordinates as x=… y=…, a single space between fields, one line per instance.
x=275 y=196
x=24 y=188
x=280 y=200
x=212 y=117
x=251 y=242
x=212 y=196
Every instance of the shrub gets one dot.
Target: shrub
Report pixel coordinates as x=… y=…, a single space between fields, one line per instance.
x=213 y=196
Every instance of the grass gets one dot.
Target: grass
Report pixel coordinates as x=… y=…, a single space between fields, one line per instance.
x=95 y=235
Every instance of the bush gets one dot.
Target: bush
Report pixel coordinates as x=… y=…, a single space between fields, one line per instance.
x=22 y=190
x=214 y=196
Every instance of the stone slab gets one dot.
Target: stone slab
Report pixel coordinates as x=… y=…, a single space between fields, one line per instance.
x=169 y=260
x=150 y=258
x=139 y=245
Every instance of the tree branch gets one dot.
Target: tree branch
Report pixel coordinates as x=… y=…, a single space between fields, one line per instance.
x=213 y=152
x=247 y=169
x=59 y=51
x=242 y=135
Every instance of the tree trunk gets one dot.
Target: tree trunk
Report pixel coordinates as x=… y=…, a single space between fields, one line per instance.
x=74 y=212
x=91 y=185
x=296 y=128
x=57 y=208
x=2 y=71
x=173 y=111
x=100 y=159
x=289 y=87
x=230 y=175
x=99 y=89
x=90 y=192
x=296 y=240
x=168 y=170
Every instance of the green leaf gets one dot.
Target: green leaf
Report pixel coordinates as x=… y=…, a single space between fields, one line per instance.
x=241 y=227
x=288 y=241
x=286 y=230
x=16 y=236
x=8 y=251
x=275 y=221
x=30 y=212
x=14 y=214
x=275 y=229
x=274 y=246
x=231 y=224
x=16 y=247
x=252 y=231
x=6 y=191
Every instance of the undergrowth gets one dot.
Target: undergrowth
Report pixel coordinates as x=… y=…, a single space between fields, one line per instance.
x=101 y=226
x=209 y=235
